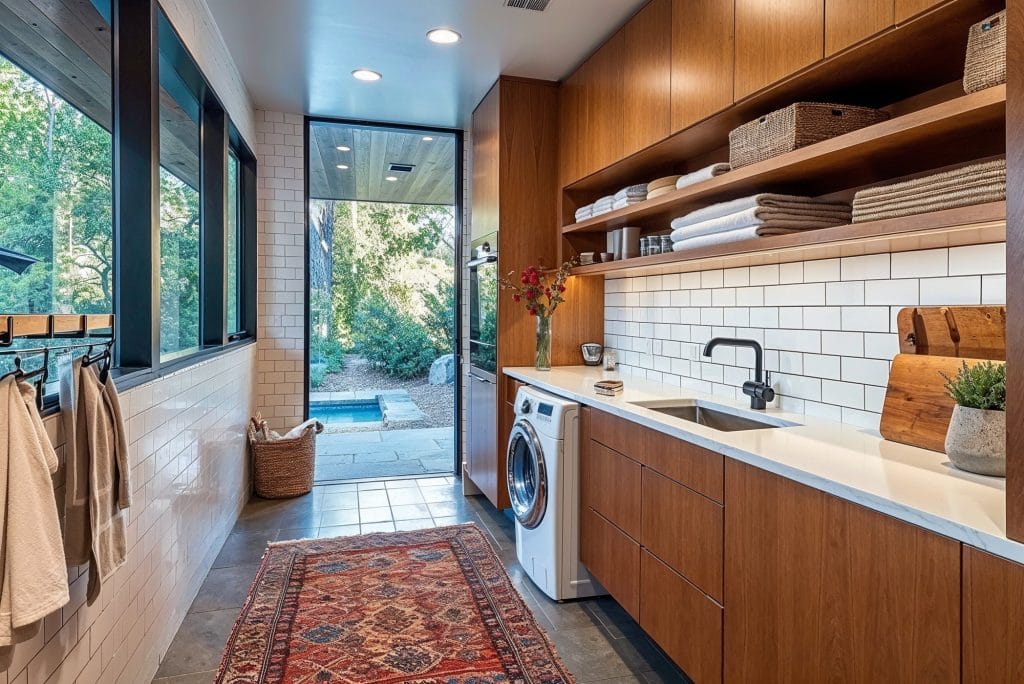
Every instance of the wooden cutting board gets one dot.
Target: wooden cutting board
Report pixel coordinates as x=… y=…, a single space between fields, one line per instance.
x=973 y=332
x=917 y=409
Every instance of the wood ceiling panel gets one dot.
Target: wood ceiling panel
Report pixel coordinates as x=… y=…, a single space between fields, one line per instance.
x=372 y=150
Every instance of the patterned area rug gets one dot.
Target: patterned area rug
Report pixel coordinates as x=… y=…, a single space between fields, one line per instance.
x=431 y=606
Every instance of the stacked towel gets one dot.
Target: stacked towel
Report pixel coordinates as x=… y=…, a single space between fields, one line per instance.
x=960 y=187
x=661 y=186
x=701 y=175
x=754 y=216
x=583 y=213
x=627 y=197
x=604 y=205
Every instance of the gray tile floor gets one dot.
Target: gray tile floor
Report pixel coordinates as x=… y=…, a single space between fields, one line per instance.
x=597 y=640
x=384 y=453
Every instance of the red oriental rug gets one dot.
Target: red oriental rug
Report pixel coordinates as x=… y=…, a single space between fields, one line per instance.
x=431 y=607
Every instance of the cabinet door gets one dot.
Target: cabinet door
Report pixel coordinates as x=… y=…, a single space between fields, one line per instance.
x=604 y=89
x=486 y=143
x=610 y=484
x=684 y=622
x=572 y=126
x=613 y=558
x=702 y=59
x=846 y=593
x=775 y=38
x=679 y=460
x=647 y=77
x=905 y=9
x=848 y=22
x=482 y=456
x=993 y=619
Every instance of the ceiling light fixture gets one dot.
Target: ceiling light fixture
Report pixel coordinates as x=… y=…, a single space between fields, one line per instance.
x=427 y=138
x=391 y=178
x=443 y=36
x=342 y=166
x=366 y=75
x=344 y=148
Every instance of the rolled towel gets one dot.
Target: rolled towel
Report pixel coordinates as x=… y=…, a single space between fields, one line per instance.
x=700 y=175
x=639 y=190
x=766 y=202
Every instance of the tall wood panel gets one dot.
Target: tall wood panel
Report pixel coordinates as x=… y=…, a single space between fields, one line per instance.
x=775 y=38
x=850 y=21
x=845 y=593
x=647 y=77
x=605 y=104
x=702 y=59
x=993 y=623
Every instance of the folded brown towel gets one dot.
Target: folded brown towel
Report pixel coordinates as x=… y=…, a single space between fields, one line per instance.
x=994 y=195
x=962 y=173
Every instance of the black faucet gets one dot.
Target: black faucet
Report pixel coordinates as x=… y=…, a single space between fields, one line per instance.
x=759 y=389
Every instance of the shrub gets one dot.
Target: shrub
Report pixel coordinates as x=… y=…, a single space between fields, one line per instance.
x=392 y=340
x=981 y=386
x=317 y=375
x=439 y=319
x=327 y=352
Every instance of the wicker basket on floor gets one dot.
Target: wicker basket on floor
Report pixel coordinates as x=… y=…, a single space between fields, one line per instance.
x=282 y=468
x=985 y=65
x=798 y=125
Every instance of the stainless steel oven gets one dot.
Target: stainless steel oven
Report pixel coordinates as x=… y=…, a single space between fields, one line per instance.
x=483 y=311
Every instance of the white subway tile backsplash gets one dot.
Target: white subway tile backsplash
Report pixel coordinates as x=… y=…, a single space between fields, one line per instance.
x=828 y=342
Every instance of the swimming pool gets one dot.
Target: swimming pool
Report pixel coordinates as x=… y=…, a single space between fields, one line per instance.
x=347 y=412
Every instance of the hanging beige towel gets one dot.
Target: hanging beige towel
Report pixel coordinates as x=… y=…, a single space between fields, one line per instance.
x=100 y=464
x=35 y=578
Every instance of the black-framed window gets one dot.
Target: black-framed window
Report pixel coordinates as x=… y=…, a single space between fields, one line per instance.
x=233 y=229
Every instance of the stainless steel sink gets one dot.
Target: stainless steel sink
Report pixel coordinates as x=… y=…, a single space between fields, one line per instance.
x=712 y=415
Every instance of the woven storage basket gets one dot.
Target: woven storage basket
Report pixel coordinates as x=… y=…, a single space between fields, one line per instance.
x=985 y=65
x=283 y=468
x=798 y=125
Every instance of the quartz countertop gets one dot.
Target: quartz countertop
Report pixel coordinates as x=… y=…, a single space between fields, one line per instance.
x=916 y=485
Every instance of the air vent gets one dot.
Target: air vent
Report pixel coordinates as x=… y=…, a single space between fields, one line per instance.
x=401 y=168
x=535 y=5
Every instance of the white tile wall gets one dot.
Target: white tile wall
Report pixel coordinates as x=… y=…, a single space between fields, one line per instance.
x=828 y=327
x=281 y=293
x=190 y=478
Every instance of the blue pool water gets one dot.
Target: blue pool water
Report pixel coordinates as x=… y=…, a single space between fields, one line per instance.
x=347 y=412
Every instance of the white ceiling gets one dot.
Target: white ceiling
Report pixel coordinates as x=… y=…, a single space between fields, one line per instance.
x=298 y=55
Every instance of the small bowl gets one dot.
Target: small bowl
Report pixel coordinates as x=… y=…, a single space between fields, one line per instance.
x=606 y=257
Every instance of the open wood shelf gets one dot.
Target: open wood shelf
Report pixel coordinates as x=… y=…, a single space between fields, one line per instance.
x=925 y=52
x=978 y=224
x=928 y=138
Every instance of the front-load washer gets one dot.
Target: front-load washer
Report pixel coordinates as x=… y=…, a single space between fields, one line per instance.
x=543 y=484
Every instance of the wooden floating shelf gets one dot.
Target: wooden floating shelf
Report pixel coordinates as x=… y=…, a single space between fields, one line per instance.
x=43 y=325
x=928 y=138
x=978 y=224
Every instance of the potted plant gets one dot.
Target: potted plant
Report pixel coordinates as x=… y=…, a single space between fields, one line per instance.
x=976 y=438
x=541 y=292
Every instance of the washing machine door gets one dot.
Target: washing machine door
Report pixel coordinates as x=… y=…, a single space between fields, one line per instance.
x=527 y=475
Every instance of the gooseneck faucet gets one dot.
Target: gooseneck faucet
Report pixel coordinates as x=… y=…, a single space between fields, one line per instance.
x=759 y=389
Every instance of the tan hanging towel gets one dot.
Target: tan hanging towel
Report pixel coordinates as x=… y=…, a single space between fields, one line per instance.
x=98 y=486
x=35 y=579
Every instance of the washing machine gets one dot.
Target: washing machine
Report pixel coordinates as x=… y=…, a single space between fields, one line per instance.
x=543 y=484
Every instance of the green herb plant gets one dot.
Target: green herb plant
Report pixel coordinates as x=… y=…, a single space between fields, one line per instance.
x=980 y=386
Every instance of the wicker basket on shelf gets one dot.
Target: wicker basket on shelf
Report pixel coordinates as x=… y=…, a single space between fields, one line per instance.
x=282 y=467
x=985 y=65
x=798 y=125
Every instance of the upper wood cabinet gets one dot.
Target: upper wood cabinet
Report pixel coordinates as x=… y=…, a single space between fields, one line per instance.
x=819 y=589
x=605 y=99
x=993 y=593
x=702 y=59
x=775 y=38
x=572 y=127
x=905 y=9
x=848 y=22
x=486 y=120
x=647 y=77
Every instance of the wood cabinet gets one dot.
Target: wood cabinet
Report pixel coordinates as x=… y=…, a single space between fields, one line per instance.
x=486 y=129
x=604 y=92
x=846 y=593
x=613 y=557
x=906 y=9
x=647 y=77
x=481 y=459
x=611 y=483
x=848 y=22
x=775 y=38
x=697 y=468
x=993 y=619
x=702 y=59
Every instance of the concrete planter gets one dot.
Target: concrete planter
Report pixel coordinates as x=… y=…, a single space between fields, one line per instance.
x=976 y=440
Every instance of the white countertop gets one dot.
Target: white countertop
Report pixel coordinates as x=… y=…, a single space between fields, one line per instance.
x=916 y=485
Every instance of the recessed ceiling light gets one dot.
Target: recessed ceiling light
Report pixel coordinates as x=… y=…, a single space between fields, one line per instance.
x=366 y=75
x=391 y=178
x=342 y=166
x=443 y=36
x=344 y=148
x=427 y=138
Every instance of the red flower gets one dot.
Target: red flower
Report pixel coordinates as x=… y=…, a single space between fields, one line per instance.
x=516 y=297
x=524 y=278
x=531 y=295
x=533 y=312
x=561 y=288
x=533 y=278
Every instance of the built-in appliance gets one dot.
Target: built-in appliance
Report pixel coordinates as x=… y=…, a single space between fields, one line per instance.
x=543 y=484
x=483 y=310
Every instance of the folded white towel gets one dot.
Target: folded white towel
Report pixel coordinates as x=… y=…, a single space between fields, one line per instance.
x=584 y=212
x=769 y=201
x=707 y=173
x=748 y=233
x=604 y=209
x=760 y=217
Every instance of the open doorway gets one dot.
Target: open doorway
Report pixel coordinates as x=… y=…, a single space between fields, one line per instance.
x=384 y=229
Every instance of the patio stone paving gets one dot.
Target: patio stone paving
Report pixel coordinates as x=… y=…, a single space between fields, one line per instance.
x=359 y=455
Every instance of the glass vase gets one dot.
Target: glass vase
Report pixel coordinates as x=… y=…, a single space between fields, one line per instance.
x=543 y=343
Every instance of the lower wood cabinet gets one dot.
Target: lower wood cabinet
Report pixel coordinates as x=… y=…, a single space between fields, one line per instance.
x=821 y=590
x=613 y=558
x=611 y=486
x=993 y=619
x=681 y=619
